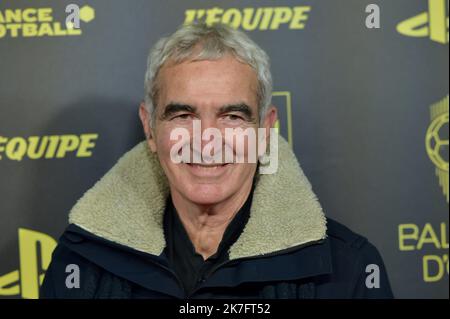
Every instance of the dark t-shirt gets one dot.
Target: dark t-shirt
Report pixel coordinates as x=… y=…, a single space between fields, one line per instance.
x=189 y=265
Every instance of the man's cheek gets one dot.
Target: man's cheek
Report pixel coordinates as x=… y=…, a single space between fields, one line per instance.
x=170 y=149
x=243 y=148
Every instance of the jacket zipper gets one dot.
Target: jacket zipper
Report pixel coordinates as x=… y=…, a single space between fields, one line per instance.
x=279 y=252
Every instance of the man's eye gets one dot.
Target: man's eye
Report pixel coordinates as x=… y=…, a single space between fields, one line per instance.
x=183 y=116
x=233 y=117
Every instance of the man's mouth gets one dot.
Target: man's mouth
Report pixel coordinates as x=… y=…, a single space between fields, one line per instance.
x=208 y=170
x=213 y=165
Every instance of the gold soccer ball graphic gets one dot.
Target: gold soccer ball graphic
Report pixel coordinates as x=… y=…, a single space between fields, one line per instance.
x=437 y=142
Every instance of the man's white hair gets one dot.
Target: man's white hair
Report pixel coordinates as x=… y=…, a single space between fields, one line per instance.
x=214 y=41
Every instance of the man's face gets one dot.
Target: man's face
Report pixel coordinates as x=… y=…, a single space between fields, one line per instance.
x=221 y=94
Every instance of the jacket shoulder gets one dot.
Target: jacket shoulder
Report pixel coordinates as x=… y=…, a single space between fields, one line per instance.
x=65 y=262
x=93 y=280
x=353 y=258
x=339 y=233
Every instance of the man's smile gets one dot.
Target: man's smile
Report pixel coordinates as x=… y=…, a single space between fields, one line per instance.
x=210 y=170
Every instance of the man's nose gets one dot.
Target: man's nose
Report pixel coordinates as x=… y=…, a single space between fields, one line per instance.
x=207 y=130
x=207 y=126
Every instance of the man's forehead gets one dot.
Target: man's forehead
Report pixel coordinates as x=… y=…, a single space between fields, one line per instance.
x=211 y=83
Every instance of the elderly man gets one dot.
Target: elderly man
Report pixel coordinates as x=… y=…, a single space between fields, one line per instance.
x=158 y=227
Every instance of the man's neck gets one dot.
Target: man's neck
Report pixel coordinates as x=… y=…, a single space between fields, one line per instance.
x=206 y=224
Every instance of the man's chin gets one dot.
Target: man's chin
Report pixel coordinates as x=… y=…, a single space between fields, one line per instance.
x=206 y=194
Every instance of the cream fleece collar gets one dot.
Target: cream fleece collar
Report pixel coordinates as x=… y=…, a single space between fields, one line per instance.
x=126 y=206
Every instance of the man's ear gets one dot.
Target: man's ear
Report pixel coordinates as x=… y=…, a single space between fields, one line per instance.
x=144 y=115
x=270 y=118
x=267 y=123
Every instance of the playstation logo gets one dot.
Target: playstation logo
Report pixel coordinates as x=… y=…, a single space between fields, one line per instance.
x=432 y=23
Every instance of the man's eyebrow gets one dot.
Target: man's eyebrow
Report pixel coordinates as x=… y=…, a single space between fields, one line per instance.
x=173 y=108
x=240 y=107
